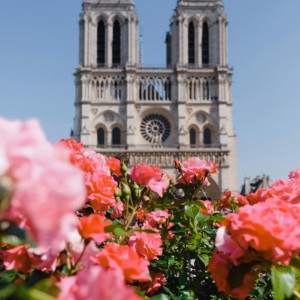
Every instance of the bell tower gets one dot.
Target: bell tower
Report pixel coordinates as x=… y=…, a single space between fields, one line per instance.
x=153 y=115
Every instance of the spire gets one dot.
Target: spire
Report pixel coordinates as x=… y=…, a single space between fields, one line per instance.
x=141 y=50
x=109 y=1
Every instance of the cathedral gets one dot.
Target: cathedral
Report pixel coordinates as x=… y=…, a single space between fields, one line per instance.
x=157 y=115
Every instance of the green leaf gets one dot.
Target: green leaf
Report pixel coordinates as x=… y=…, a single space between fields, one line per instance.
x=116 y=230
x=201 y=218
x=8 y=276
x=283 y=281
x=133 y=230
x=204 y=258
x=200 y=204
x=7 y=291
x=191 y=211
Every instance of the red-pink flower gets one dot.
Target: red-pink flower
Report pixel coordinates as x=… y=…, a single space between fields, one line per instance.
x=114 y=166
x=271 y=229
x=17 y=258
x=287 y=190
x=209 y=207
x=118 y=209
x=96 y=283
x=152 y=177
x=222 y=270
x=158 y=280
x=101 y=192
x=125 y=258
x=196 y=170
x=92 y=227
x=157 y=217
x=147 y=245
x=47 y=188
x=231 y=198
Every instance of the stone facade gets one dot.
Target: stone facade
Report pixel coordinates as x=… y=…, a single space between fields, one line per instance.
x=153 y=115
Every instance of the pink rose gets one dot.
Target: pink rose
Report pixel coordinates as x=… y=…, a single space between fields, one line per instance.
x=96 y=283
x=195 y=169
x=209 y=207
x=147 y=245
x=152 y=177
x=222 y=269
x=125 y=258
x=157 y=217
x=271 y=229
x=287 y=190
x=47 y=188
x=18 y=258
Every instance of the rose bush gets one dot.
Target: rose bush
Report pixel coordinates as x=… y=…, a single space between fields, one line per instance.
x=75 y=225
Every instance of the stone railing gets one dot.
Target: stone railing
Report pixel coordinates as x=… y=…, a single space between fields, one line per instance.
x=201 y=88
x=154 y=86
x=107 y=88
x=165 y=158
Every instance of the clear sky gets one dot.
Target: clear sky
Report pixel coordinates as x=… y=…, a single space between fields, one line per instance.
x=39 y=51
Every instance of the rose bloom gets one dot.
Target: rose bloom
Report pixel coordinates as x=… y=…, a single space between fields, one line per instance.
x=89 y=161
x=152 y=177
x=287 y=190
x=18 y=258
x=209 y=207
x=221 y=269
x=232 y=197
x=195 y=169
x=96 y=283
x=101 y=192
x=92 y=227
x=47 y=188
x=123 y=257
x=114 y=166
x=99 y=182
x=147 y=245
x=158 y=280
x=271 y=229
x=157 y=217
x=118 y=209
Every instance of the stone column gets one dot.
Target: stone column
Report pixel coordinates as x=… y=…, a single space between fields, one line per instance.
x=199 y=45
x=108 y=42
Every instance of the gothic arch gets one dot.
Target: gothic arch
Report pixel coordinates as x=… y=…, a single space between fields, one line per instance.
x=101 y=17
x=101 y=42
x=116 y=135
x=207 y=20
x=194 y=132
x=194 y=19
x=192 y=32
x=205 y=43
x=101 y=135
x=208 y=134
x=116 y=42
x=117 y=17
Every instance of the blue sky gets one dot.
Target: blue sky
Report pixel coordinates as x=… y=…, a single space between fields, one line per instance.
x=39 y=51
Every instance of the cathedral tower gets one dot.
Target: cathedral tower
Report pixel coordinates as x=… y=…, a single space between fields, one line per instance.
x=155 y=115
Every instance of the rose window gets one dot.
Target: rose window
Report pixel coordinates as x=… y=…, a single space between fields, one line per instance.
x=155 y=128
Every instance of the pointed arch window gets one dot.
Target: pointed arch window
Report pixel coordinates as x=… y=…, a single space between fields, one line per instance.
x=191 y=43
x=100 y=137
x=193 y=137
x=116 y=45
x=116 y=136
x=205 y=44
x=101 y=43
x=207 y=136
